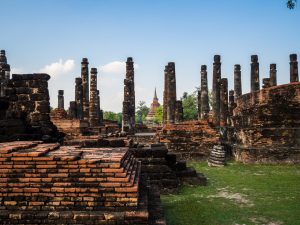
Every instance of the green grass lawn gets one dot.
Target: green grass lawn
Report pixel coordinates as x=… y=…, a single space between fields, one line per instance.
x=238 y=194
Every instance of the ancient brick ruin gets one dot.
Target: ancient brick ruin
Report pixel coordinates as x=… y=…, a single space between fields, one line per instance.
x=73 y=167
x=261 y=126
x=128 y=113
x=172 y=108
x=25 y=108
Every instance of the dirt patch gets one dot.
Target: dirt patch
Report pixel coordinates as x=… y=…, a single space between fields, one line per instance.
x=264 y=221
x=236 y=197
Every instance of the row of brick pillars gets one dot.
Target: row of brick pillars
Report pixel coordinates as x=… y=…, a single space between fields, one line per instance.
x=220 y=108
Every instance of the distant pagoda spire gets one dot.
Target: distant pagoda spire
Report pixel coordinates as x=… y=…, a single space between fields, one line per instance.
x=155 y=95
x=153 y=108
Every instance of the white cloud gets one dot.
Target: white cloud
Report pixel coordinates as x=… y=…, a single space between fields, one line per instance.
x=115 y=67
x=111 y=87
x=58 y=68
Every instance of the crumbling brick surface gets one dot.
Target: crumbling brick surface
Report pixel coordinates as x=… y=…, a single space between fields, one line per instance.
x=190 y=139
x=29 y=107
x=49 y=183
x=267 y=125
x=163 y=169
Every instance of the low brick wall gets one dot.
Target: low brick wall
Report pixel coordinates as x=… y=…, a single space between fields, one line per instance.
x=71 y=127
x=190 y=139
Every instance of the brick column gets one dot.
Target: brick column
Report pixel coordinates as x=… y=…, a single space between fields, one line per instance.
x=216 y=89
x=166 y=94
x=178 y=112
x=254 y=74
x=266 y=83
x=204 y=93
x=237 y=81
x=79 y=98
x=72 y=110
x=93 y=119
x=4 y=73
x=231 y=106
x=223 y=102
x=273 y=75
x=60 y=99
x=172 y=93
x=98 y=107
x=85 y=87
x=128 y=121
x=294 y=77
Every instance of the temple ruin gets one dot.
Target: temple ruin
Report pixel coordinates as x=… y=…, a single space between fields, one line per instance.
x=71 y=166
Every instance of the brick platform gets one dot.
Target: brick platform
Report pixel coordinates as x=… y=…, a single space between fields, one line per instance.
x=48 y=183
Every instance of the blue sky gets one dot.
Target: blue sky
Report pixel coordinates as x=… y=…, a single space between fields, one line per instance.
x=53 y=36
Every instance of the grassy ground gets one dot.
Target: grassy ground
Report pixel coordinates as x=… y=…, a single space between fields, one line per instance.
x=238 y=194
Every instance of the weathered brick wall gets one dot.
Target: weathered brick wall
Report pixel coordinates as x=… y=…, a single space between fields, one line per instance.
x=71 y=127
x=46 y=183
x=267 y=125
x=28 y=99
x=190 y=139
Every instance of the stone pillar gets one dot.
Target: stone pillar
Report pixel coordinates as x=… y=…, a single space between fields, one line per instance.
x=72 y=110
x=273 y=75
x=171 y=106
x=216 y=89
x=254 y=74
x=79 y=98
x=60 y=99
x=93 y=118
x=128 y=120
x=98 y=107
x=266 y=83
x=85 y=87
x=4 y=73
x=231 y=106
x=294 y=77
x=166 y=94
x=237 y=81
x=204 y=93
x=223 y=102
x=178 y=112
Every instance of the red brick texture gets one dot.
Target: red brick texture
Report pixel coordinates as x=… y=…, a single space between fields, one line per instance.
x=46 y=182
x=267 y=125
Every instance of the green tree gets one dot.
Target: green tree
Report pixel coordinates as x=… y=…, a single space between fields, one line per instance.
x=189 y=104
x=108 y=115
x=142 y=112
x=158 y=117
